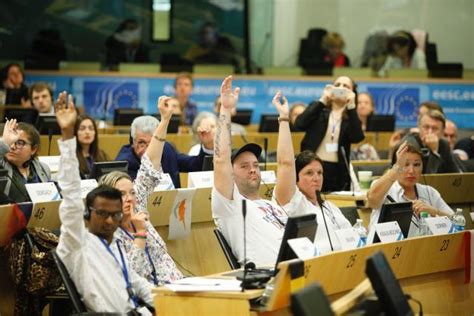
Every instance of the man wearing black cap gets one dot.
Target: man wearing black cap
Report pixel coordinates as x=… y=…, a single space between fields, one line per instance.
x=237 y=177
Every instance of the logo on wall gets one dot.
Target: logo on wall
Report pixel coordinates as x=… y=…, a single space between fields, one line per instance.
x=401 y=102
x=99 y=96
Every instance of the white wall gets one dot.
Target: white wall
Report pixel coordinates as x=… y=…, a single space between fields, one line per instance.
x=449 y=23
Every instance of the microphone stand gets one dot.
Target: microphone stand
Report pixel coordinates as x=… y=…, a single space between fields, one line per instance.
x=343 y=151
x=244 y=214
x=321 y=205
x=50 y=139
x=265 y=147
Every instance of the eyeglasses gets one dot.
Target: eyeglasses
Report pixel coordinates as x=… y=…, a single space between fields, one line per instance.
x=116 y=216
x=21 y=143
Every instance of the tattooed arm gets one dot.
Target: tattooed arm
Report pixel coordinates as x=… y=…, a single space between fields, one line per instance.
x=223 y=177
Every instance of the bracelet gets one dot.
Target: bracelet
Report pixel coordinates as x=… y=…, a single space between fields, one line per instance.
x=283 y=119
x=159 y=139
x=140 y=235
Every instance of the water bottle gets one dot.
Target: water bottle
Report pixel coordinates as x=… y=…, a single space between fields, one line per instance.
x=423 y=226
x=458 y=221
x=360 y=229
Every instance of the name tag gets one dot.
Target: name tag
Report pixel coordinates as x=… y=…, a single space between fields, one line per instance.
x=348 y=238
x=201 y=179
x=331 y=147
x=387 y=232
x=303 y=247
x=42 y=192
x=51 y=161
x=87 y=186
x=268 y=176
x=439 y=225
x=166 y=183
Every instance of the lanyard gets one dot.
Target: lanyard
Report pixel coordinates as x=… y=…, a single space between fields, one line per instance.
x=147 y=251
x=331 y=216
x=333 y=128
x=123 y=267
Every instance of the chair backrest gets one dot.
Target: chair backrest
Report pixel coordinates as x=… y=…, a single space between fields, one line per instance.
x=231 y=259
x=311 y=300
x=76 y=299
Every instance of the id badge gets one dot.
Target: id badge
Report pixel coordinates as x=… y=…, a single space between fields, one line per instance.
x=144 y=311
x=331 y=147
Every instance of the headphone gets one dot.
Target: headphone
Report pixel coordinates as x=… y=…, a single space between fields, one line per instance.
x=87 y=212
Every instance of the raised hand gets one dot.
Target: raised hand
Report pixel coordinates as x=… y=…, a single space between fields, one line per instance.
x=431 y=140
x=206 y=133
x=327 y=94
x=10 y=134
x=350 y=103
x=229 y=98
x=139 y=220
x=401 y=155
x=165 y=108
x=66 y=114
x=282 y=109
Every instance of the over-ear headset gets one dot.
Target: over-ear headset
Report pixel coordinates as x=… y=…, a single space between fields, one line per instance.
x=87 y=213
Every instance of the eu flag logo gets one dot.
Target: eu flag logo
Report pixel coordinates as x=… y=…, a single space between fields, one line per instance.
x=399 y=101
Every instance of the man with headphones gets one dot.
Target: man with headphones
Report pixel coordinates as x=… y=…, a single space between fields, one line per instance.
x=96 y=261
x=41 y=97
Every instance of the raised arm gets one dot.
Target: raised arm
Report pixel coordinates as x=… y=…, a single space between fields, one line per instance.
x=378 y=191
x=286 y=177
x=223 y=178
x=155 y=148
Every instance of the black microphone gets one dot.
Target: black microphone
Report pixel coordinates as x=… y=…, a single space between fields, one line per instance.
x=50 y=139
x=343 y=151
x=244 y=214
x=321 y=205
x=265 y=147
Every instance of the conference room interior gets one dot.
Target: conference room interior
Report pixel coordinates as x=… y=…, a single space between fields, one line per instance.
x=115 y=62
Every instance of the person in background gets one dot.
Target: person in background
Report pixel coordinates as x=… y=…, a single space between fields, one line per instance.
x=183 y=85
x=125 y=45
x=14 y=84
x=334 y=46
x=403 y=53
x=87 y=147
x=172 y=162
x=451 y=133
x=295 y=110
x=429 y=106
x=401 y=184
x=235 y=128
x=41 y=97
x=145 y=248
x=464 y=148
x=93 y=256
x=297 y=182
x=204 y=131
x=19 y=147
x=365 y=108
x=331 y=124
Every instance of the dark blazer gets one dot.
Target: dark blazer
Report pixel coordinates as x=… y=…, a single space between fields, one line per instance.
x=314 y=121
x=172 y=162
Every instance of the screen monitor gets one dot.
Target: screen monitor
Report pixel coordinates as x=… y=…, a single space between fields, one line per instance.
x=268 y=123
x=173 y=126
x=48 y=125
x=400 y=212
x=101 y=168
x=386 y=286
x=126 y=116
x=381 y=123
x=25 y=115
x=242 y=117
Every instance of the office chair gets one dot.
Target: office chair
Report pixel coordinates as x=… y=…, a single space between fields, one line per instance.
x=311 y=300
x=231 y=259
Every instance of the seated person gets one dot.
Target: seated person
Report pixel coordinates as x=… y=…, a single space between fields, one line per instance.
x=235 y=128
x=145 y=248
x=93 y=257
x=295 y=110
x=365 y=108
x=14 y=84
x=333 y=44
x=41 y=97
x=237 y=178
x=172 y=162
x=18 y=150
x=204 y=131
x=451 y=133
x=437 y=157
x=400 y=183
x=403 y=53
x=87 y=148
x=465 y=148
x=183 y=85
x=297 y=183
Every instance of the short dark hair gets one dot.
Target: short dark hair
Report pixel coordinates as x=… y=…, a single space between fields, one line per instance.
x=104 y=191
x=303 y=159
x=33 y=135
x=38 y=87
x=430 y=105
x=435 y=115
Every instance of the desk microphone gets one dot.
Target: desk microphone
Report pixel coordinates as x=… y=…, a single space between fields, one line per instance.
x=343 y=151
x=265 y=147
x=390 y=199
x=244 y=214
x=321 y=205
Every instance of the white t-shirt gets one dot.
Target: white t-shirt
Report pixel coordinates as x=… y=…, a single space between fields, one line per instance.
x=300 y=205
x=425 y=193
x=265 y=223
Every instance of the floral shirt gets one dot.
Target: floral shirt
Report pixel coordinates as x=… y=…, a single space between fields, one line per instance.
x=153 y=263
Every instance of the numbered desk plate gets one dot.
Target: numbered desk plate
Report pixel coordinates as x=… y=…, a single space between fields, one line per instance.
x=46 y=215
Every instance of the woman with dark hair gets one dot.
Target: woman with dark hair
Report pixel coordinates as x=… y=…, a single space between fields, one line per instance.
x=18 y=150
x=13 y=83
x=332 y=125
x=302 y=178
x=401 y=184
x=403 y=53
x=87 y=150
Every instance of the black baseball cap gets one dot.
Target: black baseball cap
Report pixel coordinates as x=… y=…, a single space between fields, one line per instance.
x=252 y=147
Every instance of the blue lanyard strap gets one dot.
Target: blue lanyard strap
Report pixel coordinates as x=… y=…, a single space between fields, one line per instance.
x=123 y=267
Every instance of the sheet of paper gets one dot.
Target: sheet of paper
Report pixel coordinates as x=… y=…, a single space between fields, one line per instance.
x=180 y=216
x=204 y=285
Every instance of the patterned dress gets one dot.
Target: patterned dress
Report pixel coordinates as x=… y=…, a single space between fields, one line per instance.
x=153 y=263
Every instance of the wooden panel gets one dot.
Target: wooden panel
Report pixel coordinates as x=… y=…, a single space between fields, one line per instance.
x=454 y=187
